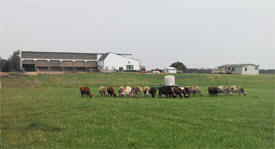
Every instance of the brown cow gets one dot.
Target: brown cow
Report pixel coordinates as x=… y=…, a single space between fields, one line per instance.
x=146 y=91
x=120 y=90
x=111 y=91
x=138 y=90
x=196 y=90
x=177 y=91
x=102 y=91
x=226 y=90
x=85 y=91
x=237 y=89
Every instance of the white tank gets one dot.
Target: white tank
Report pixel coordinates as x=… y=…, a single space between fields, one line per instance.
x=169 y=81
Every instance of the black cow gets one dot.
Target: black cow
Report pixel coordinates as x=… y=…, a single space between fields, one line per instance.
x=186 y=91
x=153 y=91
x=213 y=91
x=166 y=90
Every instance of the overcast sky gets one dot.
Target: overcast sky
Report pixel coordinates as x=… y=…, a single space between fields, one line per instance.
x=199 y=33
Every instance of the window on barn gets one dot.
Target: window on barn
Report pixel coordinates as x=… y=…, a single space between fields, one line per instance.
x=245 y=69
x=233 y=69
x=129 y=67
x=256 y=68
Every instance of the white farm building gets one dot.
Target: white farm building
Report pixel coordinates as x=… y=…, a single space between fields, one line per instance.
x=170 y=70
x=111 y=62
x=244 y=69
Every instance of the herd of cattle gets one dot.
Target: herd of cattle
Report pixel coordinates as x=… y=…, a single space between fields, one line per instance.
x=167 y=91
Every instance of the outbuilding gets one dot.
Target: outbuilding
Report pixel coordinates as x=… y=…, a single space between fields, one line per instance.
x=111 y=62
x=170 y=70
x=244 y=69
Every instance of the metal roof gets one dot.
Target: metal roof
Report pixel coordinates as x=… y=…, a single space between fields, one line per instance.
x=103 y=56
x=237 y=65
x=75 y=52
x=56 y=52
x=170 y=67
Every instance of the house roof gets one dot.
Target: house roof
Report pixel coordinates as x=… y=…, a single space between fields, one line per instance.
x=237 y=65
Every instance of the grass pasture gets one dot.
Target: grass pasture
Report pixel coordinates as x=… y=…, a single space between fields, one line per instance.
x=47 y=111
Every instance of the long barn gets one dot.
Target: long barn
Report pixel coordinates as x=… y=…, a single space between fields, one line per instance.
x=69 y=61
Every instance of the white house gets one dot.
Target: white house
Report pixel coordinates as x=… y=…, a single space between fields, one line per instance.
x=245 y=69
x=170 y=70
x=111 y=62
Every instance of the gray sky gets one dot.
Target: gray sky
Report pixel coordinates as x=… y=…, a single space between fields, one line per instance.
x=199 y=33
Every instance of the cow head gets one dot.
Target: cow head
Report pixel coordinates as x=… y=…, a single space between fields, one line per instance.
x=146 y=92
x=242 y=91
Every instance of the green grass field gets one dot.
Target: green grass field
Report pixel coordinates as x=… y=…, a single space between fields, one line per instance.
x=47 y=111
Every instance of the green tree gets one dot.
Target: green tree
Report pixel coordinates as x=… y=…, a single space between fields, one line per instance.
x=5 y=65
x=14 y=61
x=179 y=66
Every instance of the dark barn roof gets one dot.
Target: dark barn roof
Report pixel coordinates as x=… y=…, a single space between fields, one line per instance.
x=58 y=55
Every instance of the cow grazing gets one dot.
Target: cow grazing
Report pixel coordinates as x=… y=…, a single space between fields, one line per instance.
x=226 y=90
x=153 y=91
x=237 y=89
x=138 y=90
x=120 y=90
x=213 y=91
x=186 y=91
x=128 y=91
x=177 y=92
x=111 y=91
x=165 y=90
x=102 y=91
x=146 y=91
x=195 y=91
x=86 y=92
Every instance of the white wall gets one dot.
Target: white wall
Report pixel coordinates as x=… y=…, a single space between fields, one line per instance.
x=170 y=70
x=116 y=61
x=250 y=70
x=100 y=64
x=238 y=70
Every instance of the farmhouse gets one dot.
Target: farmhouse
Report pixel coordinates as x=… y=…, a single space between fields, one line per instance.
x=245 y=69
x=69 y=61
x=170 y=70
x=110 y=62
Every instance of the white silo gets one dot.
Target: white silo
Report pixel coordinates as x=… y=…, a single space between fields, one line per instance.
x=169 y=80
